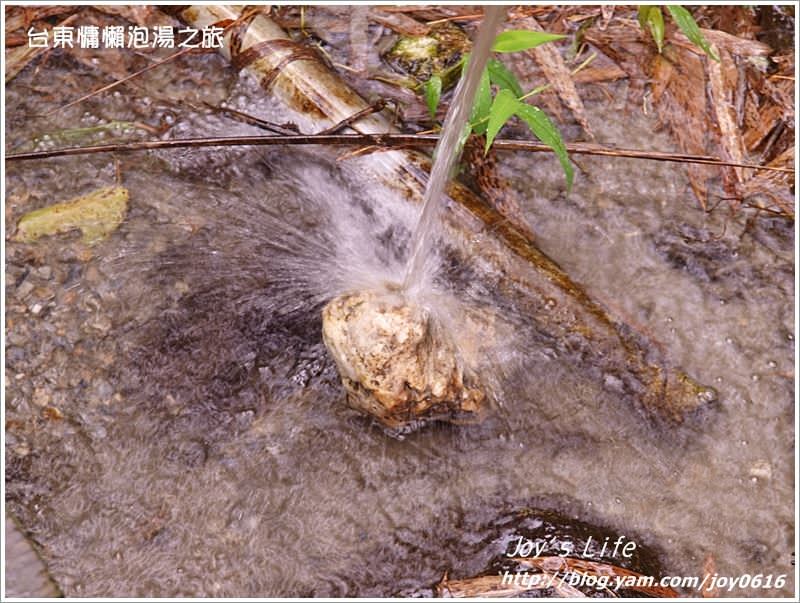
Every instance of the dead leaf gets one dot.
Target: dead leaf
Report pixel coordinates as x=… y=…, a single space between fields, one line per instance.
x=492 y=586
x=558 y=74
x=709 y=569
x=399 y=22
x=724 y=41
x=627 y=48
x=96 y=215
x=676 y=80
x=360 y=47
x=18 y=58
x=595 y=568
x=591 y=75
x=723 y=82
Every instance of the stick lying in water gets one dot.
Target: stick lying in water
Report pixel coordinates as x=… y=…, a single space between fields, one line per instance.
x=387 y=140
x=560 y=309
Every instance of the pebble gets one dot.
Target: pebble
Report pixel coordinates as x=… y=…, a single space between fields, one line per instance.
x=761 y=469
x=103 y=390
x=101 y=323
x=41 y=397
x=22 y=449
x=24 y=289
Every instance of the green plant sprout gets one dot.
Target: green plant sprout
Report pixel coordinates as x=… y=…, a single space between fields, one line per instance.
x=651 y=17
x=490 y=113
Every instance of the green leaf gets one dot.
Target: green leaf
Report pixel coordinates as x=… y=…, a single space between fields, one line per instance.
x=642 y=16
x=502 y=77
x=483 y=102
x=690 y=29
x=652 y=17
x=515 y=40
x=433 y=92
x=504 y=106
x=545 y=130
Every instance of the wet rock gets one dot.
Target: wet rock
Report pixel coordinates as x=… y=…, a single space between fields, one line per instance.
x=45 y=272
x=41 y=397
x=24 y=290
x=435 y=53
x=723 y=262
x=396 y=364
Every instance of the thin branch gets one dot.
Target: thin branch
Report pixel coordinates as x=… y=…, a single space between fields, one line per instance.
x=373 y=108
x=380 y=140
x=251 y=120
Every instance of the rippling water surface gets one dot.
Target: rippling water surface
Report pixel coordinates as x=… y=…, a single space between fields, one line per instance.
x=204 y=448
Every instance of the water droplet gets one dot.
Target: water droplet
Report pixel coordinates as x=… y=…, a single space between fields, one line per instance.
x=669 y=319
x=755 y=377
x=728 y=340
x=772 y=364
x=618 y=500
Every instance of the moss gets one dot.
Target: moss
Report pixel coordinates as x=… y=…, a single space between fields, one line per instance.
x=433 y=54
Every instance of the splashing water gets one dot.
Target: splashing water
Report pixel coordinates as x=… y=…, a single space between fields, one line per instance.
x=448 y=150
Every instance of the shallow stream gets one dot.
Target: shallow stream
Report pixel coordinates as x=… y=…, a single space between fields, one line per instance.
x=199 y=445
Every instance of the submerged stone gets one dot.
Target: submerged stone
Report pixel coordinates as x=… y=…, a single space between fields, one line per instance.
x=395 y=362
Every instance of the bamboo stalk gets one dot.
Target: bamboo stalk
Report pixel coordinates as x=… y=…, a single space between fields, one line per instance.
x=317 y=99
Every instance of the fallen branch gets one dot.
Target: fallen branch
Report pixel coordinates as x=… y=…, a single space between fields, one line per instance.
x=387 y=140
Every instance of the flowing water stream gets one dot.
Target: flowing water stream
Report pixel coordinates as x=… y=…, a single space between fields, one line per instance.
x=449 y=147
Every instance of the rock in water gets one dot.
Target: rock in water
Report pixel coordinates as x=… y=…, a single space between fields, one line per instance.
x=395 y=362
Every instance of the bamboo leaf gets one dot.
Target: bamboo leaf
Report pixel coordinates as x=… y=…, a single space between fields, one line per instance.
x=652 y=17
x=545 y=130
x=642 y=16
x=515 y=40
x=483 y=102
x=689 y=27
x=433 y=92
x=502 y=77
x=503 y=108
